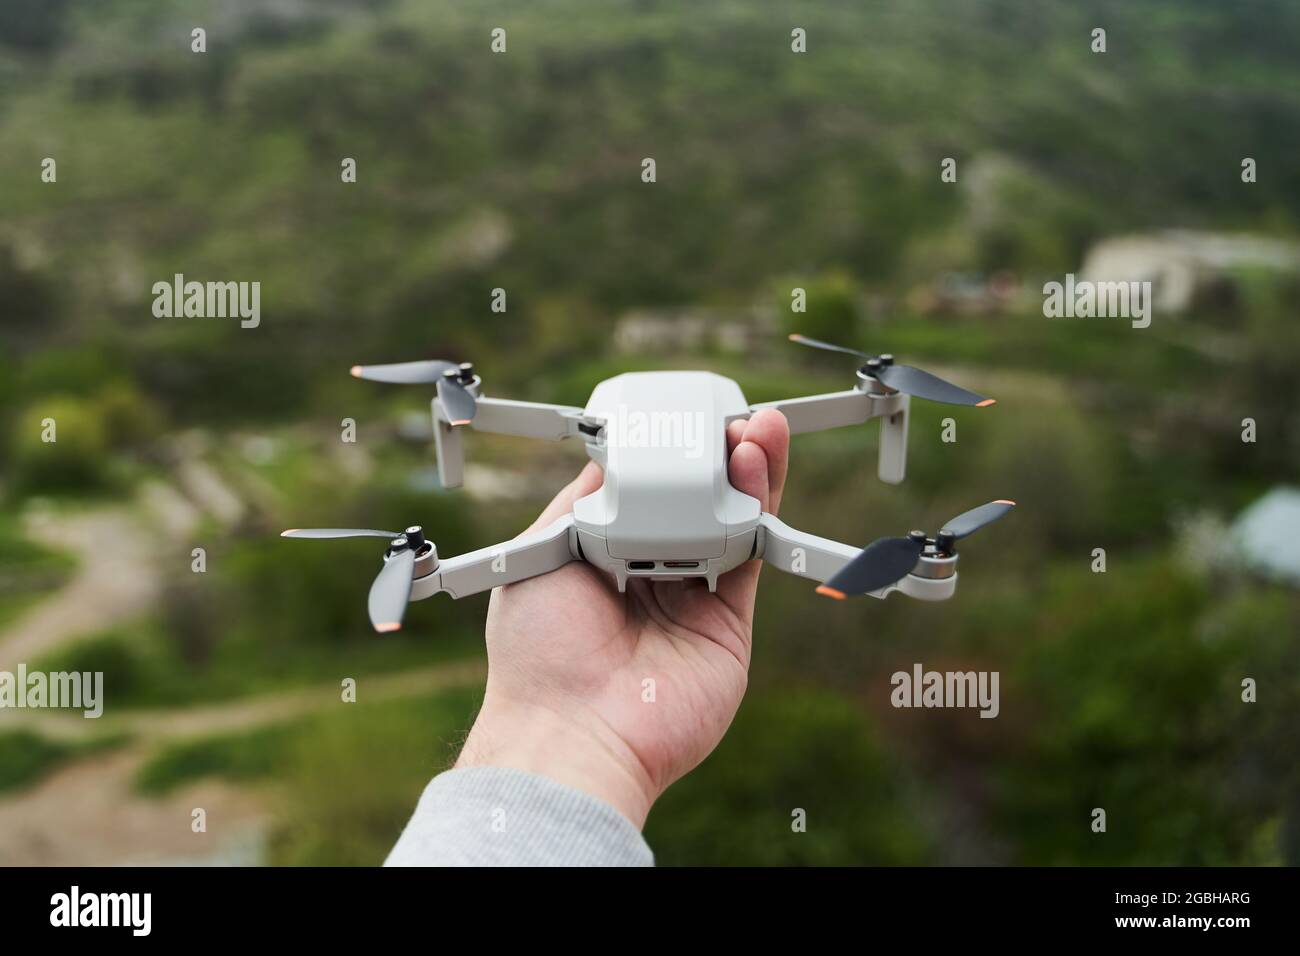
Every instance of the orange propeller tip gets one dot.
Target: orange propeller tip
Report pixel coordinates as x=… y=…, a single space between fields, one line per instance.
x=289 y=531
x=462 y=421
x=986 y=403
x=388 y=627
x=1005 y=501
x=831 y=592
x=355 y=371
x=794 y=336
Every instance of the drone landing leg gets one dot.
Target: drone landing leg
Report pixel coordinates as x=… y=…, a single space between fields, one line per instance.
x=893 y=442
x=450 y=451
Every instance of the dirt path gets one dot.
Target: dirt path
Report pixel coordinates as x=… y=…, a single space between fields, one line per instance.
x=115 y=581
x=88 y=813
x=177 y=723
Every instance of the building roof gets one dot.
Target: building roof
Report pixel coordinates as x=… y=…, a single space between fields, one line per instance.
x=1267 y=534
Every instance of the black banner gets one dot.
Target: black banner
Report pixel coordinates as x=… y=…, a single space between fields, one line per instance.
x=209 y=906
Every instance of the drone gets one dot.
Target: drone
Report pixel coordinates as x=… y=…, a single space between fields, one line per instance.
x=666 y=510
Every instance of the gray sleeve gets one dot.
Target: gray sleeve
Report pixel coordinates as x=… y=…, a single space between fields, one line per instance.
x=491 y=816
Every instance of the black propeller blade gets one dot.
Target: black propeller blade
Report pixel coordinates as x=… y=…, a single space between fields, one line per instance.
x=451 y=380
x=888 y=560
x=878 y=565
x=819 y=344
x=971 y=521
x=904 y=378
x=391 y=591
x=913 y=381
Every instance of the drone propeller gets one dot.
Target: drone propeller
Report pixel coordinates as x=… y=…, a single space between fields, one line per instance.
x=391 y=590
x=888 y=560
x=451 y=380
x=878 y=565
x=968 y=522
x=456 y=399
x=904 y=378
x=336 y=533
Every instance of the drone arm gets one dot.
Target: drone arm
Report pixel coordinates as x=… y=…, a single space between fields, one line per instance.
x=527 y=419
x=815 y=413
x=516 y=560
x=817 y=558
x=853 y=407
x=797 y=552
x=503 y=417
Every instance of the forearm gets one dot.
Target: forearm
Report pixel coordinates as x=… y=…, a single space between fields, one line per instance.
x=495 y=816
x=575 y=749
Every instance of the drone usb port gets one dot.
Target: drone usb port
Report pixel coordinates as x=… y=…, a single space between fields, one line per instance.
x=681 y=564
x=640 y=565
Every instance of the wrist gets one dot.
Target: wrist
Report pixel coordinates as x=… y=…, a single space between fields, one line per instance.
x=571 y=749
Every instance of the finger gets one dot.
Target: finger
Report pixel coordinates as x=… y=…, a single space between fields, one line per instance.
x=748 y=473
x=758 y=467
x=734 y=433
x=769 y=430
x=589 y=479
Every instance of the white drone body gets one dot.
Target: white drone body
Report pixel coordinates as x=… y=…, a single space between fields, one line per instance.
x=666 y=510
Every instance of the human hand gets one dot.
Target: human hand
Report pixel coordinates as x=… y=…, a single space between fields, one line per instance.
x=567 y=655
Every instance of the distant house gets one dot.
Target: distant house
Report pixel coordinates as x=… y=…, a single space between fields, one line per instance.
x=1186 y=268
x=684 y=330
x=1267 y=535
x=967 y=293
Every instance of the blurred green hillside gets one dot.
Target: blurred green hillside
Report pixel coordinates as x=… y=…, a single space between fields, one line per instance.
x=774 y=171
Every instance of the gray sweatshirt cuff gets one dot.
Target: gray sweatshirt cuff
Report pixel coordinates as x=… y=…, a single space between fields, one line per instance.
x=491 y=816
